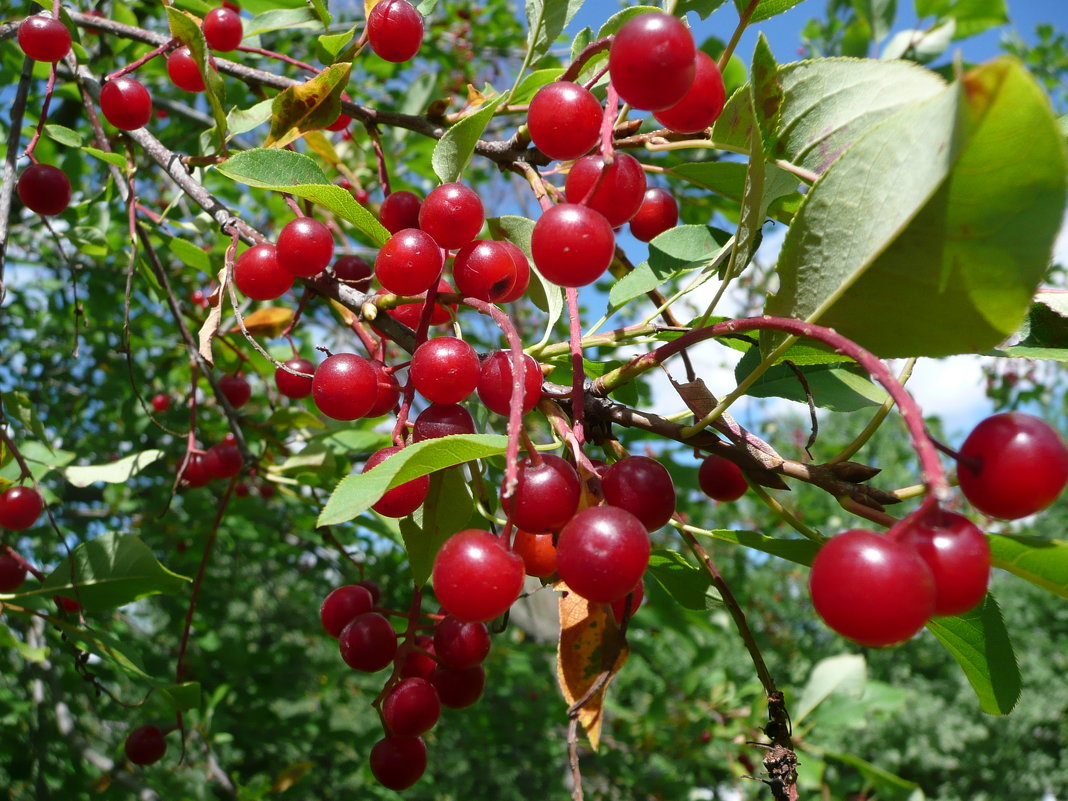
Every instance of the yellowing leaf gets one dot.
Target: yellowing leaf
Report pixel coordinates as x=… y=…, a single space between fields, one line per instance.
x=309 y=107
x=290 y=775
x=211 y=325
x=588 y=640
x=269 y=322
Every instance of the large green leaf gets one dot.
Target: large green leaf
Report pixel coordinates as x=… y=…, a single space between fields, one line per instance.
x=286 y=171
x=979 y=641
x=358 y=493
x=454 y=150
x=970 y=16
x=115 y=472
x=1042 y=562
x=846 y=673
x=546 y=20
x=928 y=236
x=683 y=580
x=840 y=389
x=108 y=572
x=727 y=178
x=279 y=19
x=446 y=510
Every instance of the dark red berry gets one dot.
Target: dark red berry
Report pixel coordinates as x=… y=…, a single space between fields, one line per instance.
x=161 y=403
x=602 y=553
x=145 y=745
x=408 y=313
x=44 y=189
x=20 y=507
x=651 y=61
x=619 y=194
x=388 y=391
x=183 y=70
x=409 y=263
x=223 y=460
x=403 y=499
x=126 y=103
x=372 y=587
x=452 y=214
x=398 y=762
x=460 y=645
x=546 y=495
x=643 y=487
x=344 y=605
x=44 y=38
x=236 y=389
x=572 y=245
x=495 y=382
x=485 y=270
x=395 y=30
x=721 y=479
x=68 y=605
x=223 y=29
x=345 y=386
x=703 y=101
x=259 y=275
x=368 y=642
x=295 y=386
x=636 y=596
x=417 y=664
x=658 y=213
x=12 y=573
x=475 y=577
x=400 y=210
x=958 y=556
x=197 y=472
x=444 y=370
x=353 y=270
x=564 y=120
x=305 y=247
x=442 y=420
x=522 y=274
x=411 y=708
x=458 y=688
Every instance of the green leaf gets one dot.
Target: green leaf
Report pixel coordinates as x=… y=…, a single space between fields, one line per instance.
x=765 y=8
x=63 y=135
x=183 y=697
x=846 y=673
x=768 y=94
x=672 y=253
x=286 y=171
x=921 y=46
x=243 y=120
x=532 y=83
x=281 y=19
x=970 y=16
x=683 y=581
x=190 y=254
x=979 y=641
x=111 y=158
x=1042 y=562
x=727 y=178
x=107 y=572
x=321 y=11
x=703 y=8
x=446 y=510
x=615 y=22
x=800 y=551
x=18 y=405
x=39 y=458
x=335 y=43
x=311 y=106
x=10 y=642
x=454 y=150
x=582 y=40
x=546 y=20
x=116 y=472
x=840 y=389
x=885 y=780
x=960 y=239
x=358 y=493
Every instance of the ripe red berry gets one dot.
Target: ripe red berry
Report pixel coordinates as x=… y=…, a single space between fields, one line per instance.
x=651 y=61
x=411 y=708
x=602 y=553
x=643 y=487
x=295 y=386
x=372 y=587
x=345 y=386
x=495 y=382
x=564 y=120
x=236 y=389
x=44 y=189
x=460 y=645
x=417 y=664
x=398 y=762
x=12 y=573
x=68 y=605
x=353 y=270
x=259 y=275
x=452 y=214
x=368 y=642
x=871 y=589
x=403 y=499
x=537 y=552
x=618 y=195
x=522 y=274
x=658 y=213
x=394 y=30
x=305 y=247
x=197 y=472
x=444 y=369
x=409 y=313
x=20 y=507
x=409 y=263
x=703 y=101
x=44 y=38
x=636 y=596
x=161 y=402
x=546 y=495
x=388 y=391
x=145 y=745
x=400 y=210
x=442 y=420
x=223 y=460
x=475 y=577
x=721 y=479
x=344 y=605
x=572 y=245
x=223 y=29
x=958 y=556
x=458 y=688
x=126 y=103
x=1012 y=465
x=485 y=270
x=183 y=70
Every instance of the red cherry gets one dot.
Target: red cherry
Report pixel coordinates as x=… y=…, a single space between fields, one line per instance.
x=145 y=745
x=161 y=403
x=452 y=214
x=236 y=389
x=1012 y=465
x=20 y=507
x=388 y=391
x=400 y=210
x=223 y=29
x=522 y=274
x=537 y=552
x=458 y=688
x=295 y=386
x=444 y=370
x=395 y=30
x=403 y=499
x=572 y=245
x=368 y=642
x=68 y=605
x=442 y=420
x=602 y=553
x=871 y=589
x=411 y=708
x=417 y=664
x=259 y=275
x=197 y=472
x=485 y=270
x=408 y=313
x=44 y=38
x=643 y=487
x=12 y=573
x=475 y=577
x=958 y=556
x=305 y=247
x=721 y=479
x=344 y=605
x=126 y=103
x=651 y=61
x=564 y=120
x=636 y=595
x=398 y=762
x=223 y=460
x=619 y=193
x=409 y=263
x=703 y=101
x=546 y=495
x=345 y=386
x=183 y=70
x=460 y=645
x=658 y=213
x=353 y=270
x=373 y=588
x=44 y=189
x=495 y=382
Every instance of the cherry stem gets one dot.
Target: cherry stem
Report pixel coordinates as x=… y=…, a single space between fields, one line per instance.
x=743 y=23
x=44 y=115
x=588 y=52
x=37 y=574
x=380 y=157
x=608 y=125
x=420 y=337
x=578 y=369
x=170 y=44
x=259 y=51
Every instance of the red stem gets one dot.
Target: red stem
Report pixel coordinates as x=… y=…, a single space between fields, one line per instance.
x=151 y=54
x=279 y=56
x=44 y=114
x=578 y=370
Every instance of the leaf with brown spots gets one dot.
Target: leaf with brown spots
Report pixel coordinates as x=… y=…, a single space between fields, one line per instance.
x=269 y=322
x=311 y=106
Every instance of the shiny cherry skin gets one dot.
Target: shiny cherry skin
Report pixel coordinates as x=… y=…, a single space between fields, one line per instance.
x=126 y=103
x=442 y=420
x=44 y=189
x=602 y=553
x=388 y=393
x=400 y=210
x=183 y=70
x=398 y=762
x=643 y=487
x=236 y=389
x=871 y=589
x=411 y=708
x=20 y=507
x=619 y=194
x=445 y=369
x=475 y=577
x=295 y=386
x=305 y=247
x=223 y=29
x=408 y=313
x=522 y=274
x=395 y=30
x=957 y=554
x=342 y=606
x=703 y=102
x=658 y=212
x=353 y=270
x=459 y=688
x=197 y=472
x=1012 y=465
x=409 y=262
x=368 y=642
x=495 y=382
x=403 y=499
x=345 y=386
x=537 y=552
x=651 y=61
x=223 y=460
x=259 y=275
x=721 y=479
x=546 y=495
x=485 y=270
x=564 y=120
x=12 y=573
x=44 y=38
x=452 y=214
x=572 y=245
x=145 y=745
x=460 y=645
x=418 y=664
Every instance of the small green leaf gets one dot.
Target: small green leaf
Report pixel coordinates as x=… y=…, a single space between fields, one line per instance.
x=281 y=19
x=765 y=8
x=63 y=135
x=335 y=43
x=454 y=150
x=532 y=83
x=969 y=16
x=182 y=697
x=800 y=551
x=243 y=120
x=767 y=93
x=190 y=254
x=116 y=472
x=703 y=8
x=546 y=20
x=582 y=40
x=672 y=253
x=189 y=32
x=615 y=22
x=840 y=389
x=111 y=158
x=846 y=673
x=980 y=643
x=311 y=106
x=446 y=510
x=1042 y=562
x=18 y=405
x=684 y=581
x=10 y=642
x=358 y=493
x=880 y=778
x=321 y=11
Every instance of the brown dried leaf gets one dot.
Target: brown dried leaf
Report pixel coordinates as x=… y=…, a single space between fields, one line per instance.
x=696 y=396
x=309 y=107
x=269 y=322
x=211 y=325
